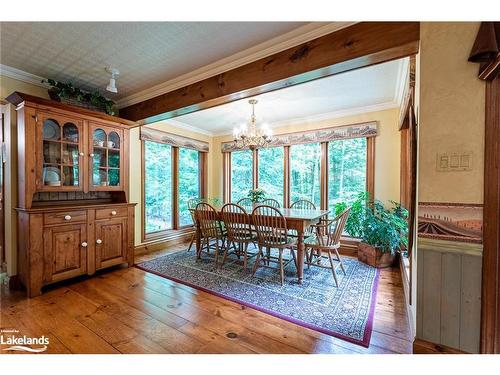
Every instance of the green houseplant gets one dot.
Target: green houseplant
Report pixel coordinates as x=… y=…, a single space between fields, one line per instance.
x=60 y=91
x=383 y=231
x=257 y=195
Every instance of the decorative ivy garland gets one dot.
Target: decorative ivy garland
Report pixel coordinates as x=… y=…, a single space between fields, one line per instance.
x=66 y=91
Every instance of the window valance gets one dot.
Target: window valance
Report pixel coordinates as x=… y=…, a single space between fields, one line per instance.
x=148 y=134
x=361 y=130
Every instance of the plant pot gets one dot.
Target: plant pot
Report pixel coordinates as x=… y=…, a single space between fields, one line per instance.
x=374 y=257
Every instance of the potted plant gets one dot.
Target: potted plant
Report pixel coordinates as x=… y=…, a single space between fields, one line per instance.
x=383 y=230
x=256 y=195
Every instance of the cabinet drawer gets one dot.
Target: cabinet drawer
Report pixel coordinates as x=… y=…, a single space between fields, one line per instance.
x=107 y=213
x=65 y=217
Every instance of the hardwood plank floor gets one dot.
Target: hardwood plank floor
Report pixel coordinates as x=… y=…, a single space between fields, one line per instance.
x=126 y=310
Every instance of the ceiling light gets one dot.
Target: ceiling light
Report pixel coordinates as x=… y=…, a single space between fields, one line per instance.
x=111 y=87
x=249 y=136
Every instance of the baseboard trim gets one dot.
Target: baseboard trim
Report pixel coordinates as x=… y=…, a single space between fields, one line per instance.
x=427 y=347
x=160 y=244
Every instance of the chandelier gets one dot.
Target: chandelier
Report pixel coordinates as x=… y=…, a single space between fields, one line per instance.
x=248 y=136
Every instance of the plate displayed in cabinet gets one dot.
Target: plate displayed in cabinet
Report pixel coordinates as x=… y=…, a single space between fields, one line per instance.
x=52 y=176
x=51 y=130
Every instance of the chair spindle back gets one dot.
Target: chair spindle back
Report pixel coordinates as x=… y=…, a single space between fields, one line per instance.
x=270 y=225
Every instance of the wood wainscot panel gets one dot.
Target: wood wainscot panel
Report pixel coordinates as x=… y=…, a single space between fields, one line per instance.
x=449 y=294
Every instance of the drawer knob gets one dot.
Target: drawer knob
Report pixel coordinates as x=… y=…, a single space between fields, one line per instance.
x=91 y=155
x=84 y=244
x=67 y=217
x=82 y=154
x=99 y=241
x=113 y=213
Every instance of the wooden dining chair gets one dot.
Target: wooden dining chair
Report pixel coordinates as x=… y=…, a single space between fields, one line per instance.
x=239 y=232
x=303 y=204
x=212 y=232
x=272 y=233
x=325 y=244
x=271 y=202
x=245 y=202
x=191 y=204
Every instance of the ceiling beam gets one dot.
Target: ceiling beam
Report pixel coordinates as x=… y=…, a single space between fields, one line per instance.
x=357 y=46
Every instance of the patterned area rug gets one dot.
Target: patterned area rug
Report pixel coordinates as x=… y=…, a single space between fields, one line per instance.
x=345 y=312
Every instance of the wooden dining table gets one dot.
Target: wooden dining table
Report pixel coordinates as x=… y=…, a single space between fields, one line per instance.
x=296 y=219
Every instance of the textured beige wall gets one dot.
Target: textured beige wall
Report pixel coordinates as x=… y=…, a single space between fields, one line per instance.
x=387 y=150
x=451 y=107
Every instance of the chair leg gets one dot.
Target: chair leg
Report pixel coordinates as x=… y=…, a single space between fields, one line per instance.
x=216 y=253
x=245 y=255
x=282 y=269
x=333 y=269
x=192 y=241
x=226 y=249
x=268 y=254
x=256 y=265
x=340 y=261
x=295 y=258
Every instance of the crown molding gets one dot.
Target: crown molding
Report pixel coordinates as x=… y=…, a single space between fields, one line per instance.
x=401 y=80
x=291 y=39
x=21 y=75
x=326 y=116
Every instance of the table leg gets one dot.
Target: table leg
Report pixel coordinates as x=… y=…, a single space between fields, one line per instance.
x=300 y=255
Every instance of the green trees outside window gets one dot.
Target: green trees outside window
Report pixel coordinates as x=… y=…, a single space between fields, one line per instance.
x=271 y=172
x=241 y=174
x=158 y=186
x=346 y=170
x=189 y=182
x=305 y=172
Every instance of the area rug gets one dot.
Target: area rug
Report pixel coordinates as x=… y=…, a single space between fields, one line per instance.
x=345 y=312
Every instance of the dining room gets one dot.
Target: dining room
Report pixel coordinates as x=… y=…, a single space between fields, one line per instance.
x=295 y=176
x=246 y=188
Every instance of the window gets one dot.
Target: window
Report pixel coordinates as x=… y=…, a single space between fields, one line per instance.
x=271 y=172
x=165 y=205
x=189 y=182
x=157 y=186
x=346 y=170
x=305 y=172
x=241 y=174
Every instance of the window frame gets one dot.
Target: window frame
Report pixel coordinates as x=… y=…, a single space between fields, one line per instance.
x=202 y=187
x=324 y=160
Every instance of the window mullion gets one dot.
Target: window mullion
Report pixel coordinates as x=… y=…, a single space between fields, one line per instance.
x=175 y=187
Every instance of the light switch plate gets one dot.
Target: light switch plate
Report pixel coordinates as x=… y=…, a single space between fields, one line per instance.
x=454 y=161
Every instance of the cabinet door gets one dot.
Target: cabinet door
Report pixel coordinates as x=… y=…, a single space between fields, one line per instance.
x=111 y=242
x=106 y=158
x=59 y=152
x=65 y=251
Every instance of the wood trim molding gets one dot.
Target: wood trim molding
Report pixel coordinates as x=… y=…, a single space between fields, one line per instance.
x=255 y=169
x=323 y=185
x=226 y=177
x=160 y=244
x=362 y=44
x=490 y=295
x=295 y=37
x=453 y=247
x=286 y=181
x=427 y=347
x=370 y=167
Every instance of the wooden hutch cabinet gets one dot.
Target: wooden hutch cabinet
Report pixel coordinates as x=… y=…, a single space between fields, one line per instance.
x=74 y=215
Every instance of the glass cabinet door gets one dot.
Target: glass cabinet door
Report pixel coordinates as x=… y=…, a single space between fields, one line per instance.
x=106 y=158
x=61 y=154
